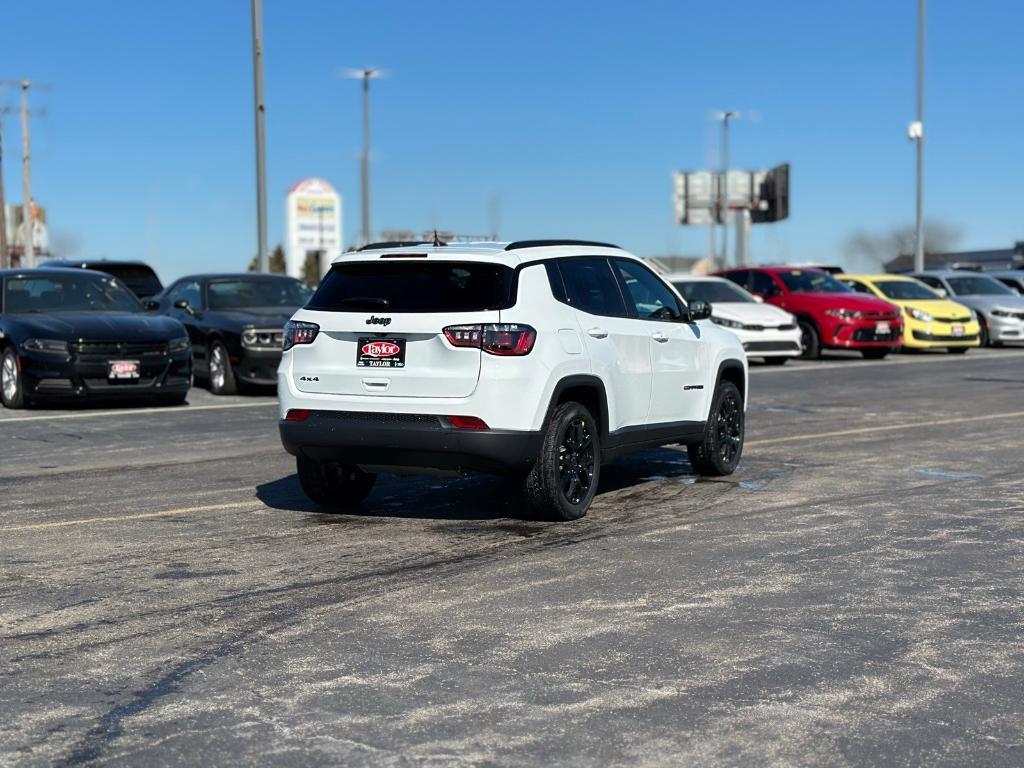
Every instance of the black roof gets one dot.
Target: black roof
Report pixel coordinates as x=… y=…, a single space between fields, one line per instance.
x=516 y=245
x=93 y=263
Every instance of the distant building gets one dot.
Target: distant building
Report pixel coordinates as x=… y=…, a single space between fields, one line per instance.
x=675 y=264
x=1005 y=258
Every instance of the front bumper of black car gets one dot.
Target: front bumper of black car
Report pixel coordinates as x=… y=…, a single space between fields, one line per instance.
x=79 y=377
x=408 y=442
x=256 y=365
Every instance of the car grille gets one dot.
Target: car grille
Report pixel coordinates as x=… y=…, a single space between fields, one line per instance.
x=879 y=316
x=952 y=319
x=771 y=346
x=922 y=336
x=869 y=334
x=105 y=350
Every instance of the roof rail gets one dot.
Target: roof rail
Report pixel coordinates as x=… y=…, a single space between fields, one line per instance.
x=395 y=244
x=544 y=243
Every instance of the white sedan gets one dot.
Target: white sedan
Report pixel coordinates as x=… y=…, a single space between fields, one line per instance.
x=766 y=331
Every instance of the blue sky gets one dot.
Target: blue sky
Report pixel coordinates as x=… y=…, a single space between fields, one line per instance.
x=573 y=114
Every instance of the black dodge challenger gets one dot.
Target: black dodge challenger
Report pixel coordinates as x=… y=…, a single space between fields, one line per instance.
x=79 y=335
x=235 y=323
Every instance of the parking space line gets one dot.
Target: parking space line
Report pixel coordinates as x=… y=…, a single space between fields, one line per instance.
x=936 y=359
x=888 y=428
x=139 y=516
x=135 y=411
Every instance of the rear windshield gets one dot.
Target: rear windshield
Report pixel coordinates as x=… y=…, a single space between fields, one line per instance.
x=415 y=286
x=140 y=279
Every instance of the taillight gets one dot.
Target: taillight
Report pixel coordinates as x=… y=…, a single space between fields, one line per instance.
x=467 y=422
x=297 y=332
x=297 y=414
x=506 y=339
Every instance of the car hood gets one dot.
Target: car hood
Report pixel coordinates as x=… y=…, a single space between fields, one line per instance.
x=261 y=317
x=750 y=313
x=101 y=326
x=936 y=307
x=988 y=303
x=852 y=301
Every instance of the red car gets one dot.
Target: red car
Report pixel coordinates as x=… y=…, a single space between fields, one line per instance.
x=830 y=315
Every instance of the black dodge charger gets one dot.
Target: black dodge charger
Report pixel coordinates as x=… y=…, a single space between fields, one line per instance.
x=75 y=334
x=235 y=323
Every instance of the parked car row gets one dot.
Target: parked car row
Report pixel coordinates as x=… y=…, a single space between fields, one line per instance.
x=80 y=333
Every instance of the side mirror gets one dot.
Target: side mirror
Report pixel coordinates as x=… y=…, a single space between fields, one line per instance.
x=942 y=292
x=150 y=304
x=699 y=310
x=183 y=304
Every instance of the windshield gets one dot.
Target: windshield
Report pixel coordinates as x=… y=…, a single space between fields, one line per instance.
x=978 y=285
x=812 y=281
x=59 y=292
x=243 y=293
x=712 y=291
x=415 y=286
x=905 y=290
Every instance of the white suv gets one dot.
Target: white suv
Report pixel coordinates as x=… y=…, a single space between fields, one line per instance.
x=540 y=359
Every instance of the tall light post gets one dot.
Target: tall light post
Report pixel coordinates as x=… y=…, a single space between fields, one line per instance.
x=366 y=75
x=261 y=167
x=916 y=133
x=723 y=191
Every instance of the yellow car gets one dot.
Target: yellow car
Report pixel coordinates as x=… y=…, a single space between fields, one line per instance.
x=930 y=321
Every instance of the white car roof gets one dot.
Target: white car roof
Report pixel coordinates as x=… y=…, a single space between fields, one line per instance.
x=509 y=253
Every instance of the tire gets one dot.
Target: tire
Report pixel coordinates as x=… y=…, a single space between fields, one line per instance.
x=563 y=481
x=12 y=390
x=985 y=340
x=810 y=339
x=775 y=360
x=331 y=486
x=221 y=376
x=957 y=350
x=875 y=353
x=719 y=452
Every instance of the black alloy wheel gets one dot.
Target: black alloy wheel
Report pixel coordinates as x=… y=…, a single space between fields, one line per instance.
x=563 y=480
x=719 y=452
x=810 y=341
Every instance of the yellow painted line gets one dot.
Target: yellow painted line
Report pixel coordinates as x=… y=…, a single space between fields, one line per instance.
x=889 y=428
x=140 y=516
x=812 y=366
x=136 y=411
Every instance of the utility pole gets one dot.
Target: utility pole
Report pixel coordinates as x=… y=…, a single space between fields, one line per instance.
x=366 y=75
x=723 y=187
x=919 y=230
x=28 y=210
x=4 y=253
x=261 y=170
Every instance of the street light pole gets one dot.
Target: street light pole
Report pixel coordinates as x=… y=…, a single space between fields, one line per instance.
x=366 y=75
x=723 y=192
x=261 y=169
x=28 y=211
x=919 y=230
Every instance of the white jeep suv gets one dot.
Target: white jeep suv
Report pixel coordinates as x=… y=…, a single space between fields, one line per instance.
x=539 y=359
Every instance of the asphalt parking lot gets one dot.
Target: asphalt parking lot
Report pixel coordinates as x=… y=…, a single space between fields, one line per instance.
x=852 y=596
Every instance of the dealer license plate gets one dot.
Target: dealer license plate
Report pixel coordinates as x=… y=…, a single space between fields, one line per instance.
x=124 y=369
x=380 y=353
x=958 y=330
x=882 y=328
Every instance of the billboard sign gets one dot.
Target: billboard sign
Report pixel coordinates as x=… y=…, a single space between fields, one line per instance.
x=312 y=225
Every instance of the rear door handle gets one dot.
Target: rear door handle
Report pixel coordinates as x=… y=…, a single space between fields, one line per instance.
x=659 y=336
x=598 y=333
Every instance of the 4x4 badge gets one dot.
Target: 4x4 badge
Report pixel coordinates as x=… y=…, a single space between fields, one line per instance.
x=378 y=320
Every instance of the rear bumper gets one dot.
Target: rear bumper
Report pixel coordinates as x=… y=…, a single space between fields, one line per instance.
x=408 y=441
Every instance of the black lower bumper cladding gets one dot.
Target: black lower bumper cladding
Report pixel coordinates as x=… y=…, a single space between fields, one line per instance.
x=408 y=440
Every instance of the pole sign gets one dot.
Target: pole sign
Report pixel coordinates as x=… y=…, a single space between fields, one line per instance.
x=313 y=225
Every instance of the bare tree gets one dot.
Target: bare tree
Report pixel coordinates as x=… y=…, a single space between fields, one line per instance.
x=871 y=250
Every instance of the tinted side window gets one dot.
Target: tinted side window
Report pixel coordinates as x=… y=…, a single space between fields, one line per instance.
x=189 y=291
x=650 y=296
x=591 y=287
x=739 y=277
x=762 y=284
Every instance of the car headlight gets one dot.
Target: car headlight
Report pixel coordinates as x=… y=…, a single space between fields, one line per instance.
x=261 y=338
x=848 y=314
x=46 y=346
x=297 y=332
x=1002 y=313
x=917 y=314
x=181 y=344
x=725 y=322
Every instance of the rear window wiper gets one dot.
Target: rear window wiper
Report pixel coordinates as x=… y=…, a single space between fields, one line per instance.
x=364 y=301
